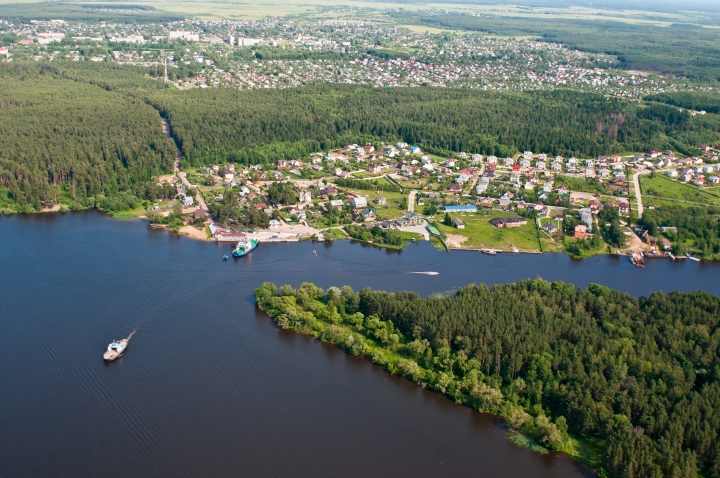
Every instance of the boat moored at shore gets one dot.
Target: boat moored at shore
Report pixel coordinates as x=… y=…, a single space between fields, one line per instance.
x=244 y=246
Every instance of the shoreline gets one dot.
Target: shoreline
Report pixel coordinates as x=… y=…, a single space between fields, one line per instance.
x=191 y=232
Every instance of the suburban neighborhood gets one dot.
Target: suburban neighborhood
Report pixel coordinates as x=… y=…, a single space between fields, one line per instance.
x=531 y=202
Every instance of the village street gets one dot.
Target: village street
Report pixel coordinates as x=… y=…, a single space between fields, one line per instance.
x=201 y=200
x=411 y=201
x=638 y=194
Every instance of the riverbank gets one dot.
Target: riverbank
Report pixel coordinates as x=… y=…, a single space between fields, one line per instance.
x=310 y=311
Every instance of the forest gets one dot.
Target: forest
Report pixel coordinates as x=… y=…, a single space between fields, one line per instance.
x=116 y=13
x=63 y=139
x=564 y=366
x=698 y=228
x=263 y=126
x=683 y=50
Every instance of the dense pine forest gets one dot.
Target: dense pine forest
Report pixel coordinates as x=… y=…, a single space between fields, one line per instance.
x=266 y=125
x=636 y=377
x=89 y=135
x=64 y=137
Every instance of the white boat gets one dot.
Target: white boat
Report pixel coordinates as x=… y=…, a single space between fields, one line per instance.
x=671 y=256
x=116 y=348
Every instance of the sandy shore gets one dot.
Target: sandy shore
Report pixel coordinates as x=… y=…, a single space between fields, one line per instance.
x=195 y=233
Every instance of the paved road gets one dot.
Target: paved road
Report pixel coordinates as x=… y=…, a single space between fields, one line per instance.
x=638 y=194
x=420 y=229
x=411 y=201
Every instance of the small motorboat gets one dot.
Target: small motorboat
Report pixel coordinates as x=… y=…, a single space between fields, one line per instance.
x=225 y=257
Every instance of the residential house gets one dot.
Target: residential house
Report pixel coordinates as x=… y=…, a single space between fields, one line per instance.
x=367 y=214
x=359 y=202
x=503 y=203
x=549 y=228
x=305 y=196
x=580 y=231
x=410 y=219
x=458 y=223
x=487 y=202
x=336 y=203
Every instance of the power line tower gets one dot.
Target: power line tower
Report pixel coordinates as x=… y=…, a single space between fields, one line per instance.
x=165 y=64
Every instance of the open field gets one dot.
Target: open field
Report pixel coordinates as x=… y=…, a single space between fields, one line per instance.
x=580 y=184
x=481 y=234
x=335 y=9
x=667 y=188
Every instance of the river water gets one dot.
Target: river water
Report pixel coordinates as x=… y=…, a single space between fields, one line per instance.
x=210 y=386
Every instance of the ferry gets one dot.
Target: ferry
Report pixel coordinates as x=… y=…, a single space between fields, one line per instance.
x=115 y=349
x=244 y=246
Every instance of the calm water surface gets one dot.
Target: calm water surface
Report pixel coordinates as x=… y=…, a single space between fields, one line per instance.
x=209 y=386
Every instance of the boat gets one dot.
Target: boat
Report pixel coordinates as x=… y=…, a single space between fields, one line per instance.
x=637 y=260
x=491 y=252
x=225 y=257
x=244 y=246
x=671 y=256
x=693 y=258
x=115 y=349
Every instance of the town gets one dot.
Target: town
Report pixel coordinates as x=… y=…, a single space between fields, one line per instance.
x=395 y=194
x=284 y=53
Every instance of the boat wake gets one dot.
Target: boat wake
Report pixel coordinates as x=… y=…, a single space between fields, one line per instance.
x=344 y=266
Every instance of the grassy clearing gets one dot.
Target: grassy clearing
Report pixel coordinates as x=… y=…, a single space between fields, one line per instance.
x=667 y=188
x=586 y=253
x=657 y=202
x=481 y=234
x=581 y=185
x=130 y=213
x=334 y=233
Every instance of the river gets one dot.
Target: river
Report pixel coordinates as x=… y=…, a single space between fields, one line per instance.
x=210 y=386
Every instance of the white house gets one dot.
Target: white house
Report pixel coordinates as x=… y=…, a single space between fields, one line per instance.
x=359 y=202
